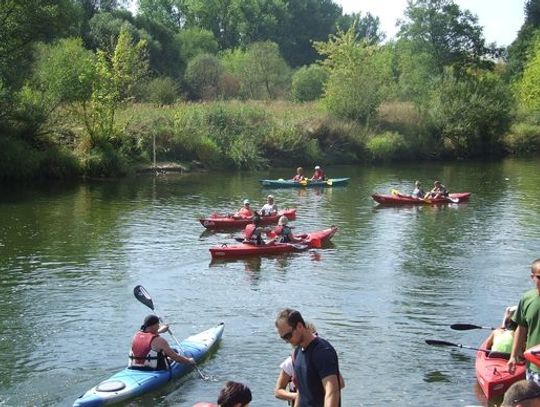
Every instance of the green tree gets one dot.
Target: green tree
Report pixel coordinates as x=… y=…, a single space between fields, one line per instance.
x=368 y=27
x=441 y=29
x=358 y=75
x=528 y=88
x=518 y=51
x=203 y=77
x=308 y=83
x=196 y=41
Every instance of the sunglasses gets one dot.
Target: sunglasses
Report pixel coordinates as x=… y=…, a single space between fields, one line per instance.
x=288 y=335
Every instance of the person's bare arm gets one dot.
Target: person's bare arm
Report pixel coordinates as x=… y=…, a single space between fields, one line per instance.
x=163 y=345
x=520 y=338
x=280 y=391
x=331 y=391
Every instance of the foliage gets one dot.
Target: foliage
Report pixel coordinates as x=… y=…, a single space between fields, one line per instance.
x=308 y=83
x=358 y=75
x=472 y=113
x=441 y=29
x=523 y=138
x=367 y=28
x=203 y=76
x=528 y=88
x=387 y=146
x=196 y=41
x=518 y=52
x=161 y=91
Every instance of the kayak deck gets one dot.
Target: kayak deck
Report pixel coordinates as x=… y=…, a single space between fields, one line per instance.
x=289 y=183
x=130 y=383
x=401 y=199
x=492 y=373
x=219 y=221
x=249 y=249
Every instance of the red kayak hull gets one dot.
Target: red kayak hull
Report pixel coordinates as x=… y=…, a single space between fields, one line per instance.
x=246 y=249
x=218 y=221
x=401 y=199
x=492 y=373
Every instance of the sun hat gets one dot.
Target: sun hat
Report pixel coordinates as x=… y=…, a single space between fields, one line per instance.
x=283 y=221
x=317 y=167
x=246 y=201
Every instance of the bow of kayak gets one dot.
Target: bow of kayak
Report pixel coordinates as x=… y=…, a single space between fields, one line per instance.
x=130 y=383
x=492 y=373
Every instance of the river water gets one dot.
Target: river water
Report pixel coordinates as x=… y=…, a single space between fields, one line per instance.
x=70 y=256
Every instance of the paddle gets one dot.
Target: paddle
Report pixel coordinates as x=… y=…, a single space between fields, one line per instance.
x=143 y=297
x=457 y=345
x=467 y=327
x=304 y=182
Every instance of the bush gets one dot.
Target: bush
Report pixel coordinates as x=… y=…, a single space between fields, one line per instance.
x=387 y=146
x=160 y=91
x=308 y=83
x=103 y=161
x=203 y=76
x=523 y=138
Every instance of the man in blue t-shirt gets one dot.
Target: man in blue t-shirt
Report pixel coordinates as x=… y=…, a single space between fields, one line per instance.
x=315 y=362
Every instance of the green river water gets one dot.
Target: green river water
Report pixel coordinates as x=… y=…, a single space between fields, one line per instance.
x=70 y=256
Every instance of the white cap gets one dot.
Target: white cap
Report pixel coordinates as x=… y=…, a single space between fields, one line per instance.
x=270 y=197
x=246 y=201
x=317 y=167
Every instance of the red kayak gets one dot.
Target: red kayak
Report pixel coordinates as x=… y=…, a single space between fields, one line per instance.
x=402 y=199
x=492 y=373
x=313 y=239
x=220 y=221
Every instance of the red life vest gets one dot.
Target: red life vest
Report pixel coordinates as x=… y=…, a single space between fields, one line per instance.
x=141 y=354
x=248 y=231
x=245 y=213
x=319 y=175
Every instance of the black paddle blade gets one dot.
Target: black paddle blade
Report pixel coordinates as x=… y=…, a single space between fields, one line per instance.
x=467 y=327
x=437 y=342
x=142 y=295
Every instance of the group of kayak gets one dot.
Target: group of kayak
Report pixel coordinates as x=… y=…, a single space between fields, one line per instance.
x=437 y=195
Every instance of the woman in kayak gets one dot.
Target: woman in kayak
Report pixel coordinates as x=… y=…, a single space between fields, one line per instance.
x=269 y=208
x=299 y=175
x=501 y=339
x=245 y=211
x=318 y=175
x=148 y=349
x=418 y=192
x=438 y=191
x=233 y=394
x=253 y=232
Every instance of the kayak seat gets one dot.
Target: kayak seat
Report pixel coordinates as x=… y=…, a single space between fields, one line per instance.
x=498 y=355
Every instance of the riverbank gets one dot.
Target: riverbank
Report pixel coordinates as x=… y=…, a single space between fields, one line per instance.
x=239 y=135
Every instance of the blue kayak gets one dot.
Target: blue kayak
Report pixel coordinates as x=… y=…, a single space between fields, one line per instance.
x=289 y=183
x=130 y=383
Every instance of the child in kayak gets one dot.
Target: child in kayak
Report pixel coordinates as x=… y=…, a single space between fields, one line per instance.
x=299 y=175
x=318 y=175
x=270 y=208
x=501 y=339
x=253 y=232
x=418 y=192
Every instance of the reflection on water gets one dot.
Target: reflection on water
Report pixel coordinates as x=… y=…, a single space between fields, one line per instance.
x=391 y=278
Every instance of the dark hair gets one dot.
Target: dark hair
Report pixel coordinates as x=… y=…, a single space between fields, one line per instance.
x=149 y=321
x=292 y=316
x=233 y=393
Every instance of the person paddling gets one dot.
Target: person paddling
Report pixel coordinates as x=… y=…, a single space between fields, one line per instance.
x=438 y=191
x=318 y=175
x=149 y=351
x=253 y=231
x=270 y=208
x=418 y=192
x=283 y=232
x=299 y=175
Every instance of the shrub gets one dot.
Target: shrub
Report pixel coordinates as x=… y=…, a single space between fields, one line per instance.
x=523 y=138
x=161 y=91
x=387 y=146
x=308 y=83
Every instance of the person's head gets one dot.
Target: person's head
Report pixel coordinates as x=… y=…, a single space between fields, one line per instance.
x=437 y=183
x=524 y=393
x=150 y=323
x=535 y=272
x=270 y=199
x=317 y=168
x=246 y=203
x=508 y=323
x=283 y=220
x=291 y=326
x=417 y=184
x=299 y=170
x=234 y=394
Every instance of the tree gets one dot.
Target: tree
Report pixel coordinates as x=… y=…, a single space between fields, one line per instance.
x=441 y=29
x=528 y=88
x=358 y=74
x=195 y=41
x=203 y=76
x=518 y=51
x=308 y=83
x=367 y=27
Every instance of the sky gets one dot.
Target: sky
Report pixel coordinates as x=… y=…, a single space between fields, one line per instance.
x=501 y=19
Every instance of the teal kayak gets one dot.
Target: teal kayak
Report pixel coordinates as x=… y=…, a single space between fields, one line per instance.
x=130 y=383
x=289 y=183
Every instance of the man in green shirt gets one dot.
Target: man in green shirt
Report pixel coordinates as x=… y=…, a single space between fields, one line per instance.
x=527 y=333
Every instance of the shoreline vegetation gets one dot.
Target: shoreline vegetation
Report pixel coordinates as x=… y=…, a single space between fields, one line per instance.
x=92 y=90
